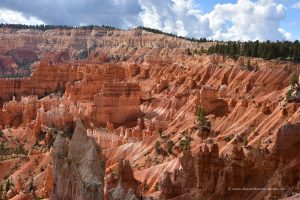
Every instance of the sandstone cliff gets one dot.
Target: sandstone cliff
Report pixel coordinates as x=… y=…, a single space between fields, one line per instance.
x=138 y=94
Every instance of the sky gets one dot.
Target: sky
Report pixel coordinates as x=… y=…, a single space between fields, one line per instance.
x=214 y=19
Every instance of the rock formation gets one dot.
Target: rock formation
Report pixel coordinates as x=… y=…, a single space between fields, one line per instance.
x=124 y=186
x=49 y=182
x=137 y=93
x=117 y=101
x=19 y=185
x=78 y=167
x=205 y=171
x=208 y=98
x=286 y=138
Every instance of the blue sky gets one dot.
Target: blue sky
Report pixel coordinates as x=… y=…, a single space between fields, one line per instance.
x=221 y=20
x=291 y=23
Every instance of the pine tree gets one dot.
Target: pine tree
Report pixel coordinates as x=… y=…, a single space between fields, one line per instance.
x=1 y=191
x=160 y=132
x=170 y=144
x=157 y=147
x=31 y=186
x=201 y=117
x=249 y=66
x=2 y=148
x=294 y=80
x=289 y=94
x=7 y=186
x=185 y=144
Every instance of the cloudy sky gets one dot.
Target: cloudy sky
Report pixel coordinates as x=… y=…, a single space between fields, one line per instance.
x=215 y=19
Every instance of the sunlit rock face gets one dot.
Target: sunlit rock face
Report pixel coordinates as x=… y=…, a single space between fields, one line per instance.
x=137 y=93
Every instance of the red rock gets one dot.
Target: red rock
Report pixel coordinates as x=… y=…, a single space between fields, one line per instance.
x=145 y=83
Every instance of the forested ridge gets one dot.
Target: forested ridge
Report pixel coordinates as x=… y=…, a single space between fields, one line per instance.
x=45 y=27
x=283 y=50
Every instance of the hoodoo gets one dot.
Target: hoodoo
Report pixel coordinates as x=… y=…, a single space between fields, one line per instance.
x=78 y=167
x=111 y=114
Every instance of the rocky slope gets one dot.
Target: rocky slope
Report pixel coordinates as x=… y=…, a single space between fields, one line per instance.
x=138 y=95
x=25 y=46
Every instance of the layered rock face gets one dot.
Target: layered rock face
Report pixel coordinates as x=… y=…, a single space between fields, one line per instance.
x=287 y=137
x=209 y=99
x=78 y=39
x=13 y=111
x=138 y=94
x=99 y=96
x=27 y=46
x=78 y=167
x=117 y=101
x=42 y=82
x=205 y=173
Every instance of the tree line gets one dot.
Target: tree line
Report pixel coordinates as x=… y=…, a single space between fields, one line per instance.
x=283 y=50
x=45 y=27
x=200 y=40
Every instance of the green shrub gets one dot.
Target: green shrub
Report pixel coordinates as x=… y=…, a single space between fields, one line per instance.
x=228 y=138
x=245 y=141
x=185 y=144
x=170 y=144
x=160 y=131
x=157 y=146
x=2 y=148
x=145 y=186
x=294 y=80
x=289 y=94
x=20 y=150
x=26 y=72
x=156 y=187
x=31 y=186
x=201 y=117
x=84 y=54
x=116 y=173
x=188 y=51
x=7 y=186
x=1 y=191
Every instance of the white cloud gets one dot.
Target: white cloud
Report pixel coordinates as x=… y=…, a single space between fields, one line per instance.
x=247 y=20
x=119 y=13
x=244 y=20
x=178 y=16
x=296 y=5
x=287 y=35
x=15 y=17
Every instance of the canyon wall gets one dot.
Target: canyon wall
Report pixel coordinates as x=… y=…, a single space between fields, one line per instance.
x=138 y=94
